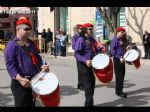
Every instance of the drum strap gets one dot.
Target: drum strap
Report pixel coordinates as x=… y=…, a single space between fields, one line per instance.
x=37 y=97
x=29 y=54
x=34 y=96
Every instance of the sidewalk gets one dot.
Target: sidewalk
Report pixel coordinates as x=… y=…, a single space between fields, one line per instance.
x=70 y=56
x=48 y=56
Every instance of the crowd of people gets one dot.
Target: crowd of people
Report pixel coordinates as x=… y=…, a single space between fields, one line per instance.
x=56 y=46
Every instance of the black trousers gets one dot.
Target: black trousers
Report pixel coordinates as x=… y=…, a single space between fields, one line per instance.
x=63 y=50
x=147 y=51
x=119 y=69
x=88 y=84
x=80 y=75
x=22 y=96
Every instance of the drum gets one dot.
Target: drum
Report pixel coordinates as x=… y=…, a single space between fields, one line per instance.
x=100 y=61
x=45 y=84
x=133 y=57
x=105 y=76
x=103 y=68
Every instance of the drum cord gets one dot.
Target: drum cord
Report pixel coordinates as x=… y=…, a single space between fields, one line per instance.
x=37 y=96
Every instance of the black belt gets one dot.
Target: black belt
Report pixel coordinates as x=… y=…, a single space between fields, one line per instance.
x=28 y=77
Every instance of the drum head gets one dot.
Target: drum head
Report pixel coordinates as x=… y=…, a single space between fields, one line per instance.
x=100 y=61
x=45 y=86
x=131 y=55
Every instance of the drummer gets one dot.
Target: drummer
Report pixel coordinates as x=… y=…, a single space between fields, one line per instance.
x=85 y=49
x=79 y=28
x=22 y=62
x=117 y=49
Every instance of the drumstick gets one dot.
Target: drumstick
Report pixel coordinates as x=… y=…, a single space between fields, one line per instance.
x=127 y=54
x=39 y=78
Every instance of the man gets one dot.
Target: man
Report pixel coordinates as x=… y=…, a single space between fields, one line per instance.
x=85 y=50
x=57 y=42
x=43 y=36
x=79 y=28
x=146 y=43
x=1 y=34
x=117 y=49
x=63 y=41
x=8 y=35
x=49 y=41
x=22 y=62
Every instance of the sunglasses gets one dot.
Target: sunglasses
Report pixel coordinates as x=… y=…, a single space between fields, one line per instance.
x=26 y=29
x=89 y=29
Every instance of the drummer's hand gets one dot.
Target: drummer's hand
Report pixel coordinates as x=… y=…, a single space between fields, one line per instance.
x=25 y=82
x=128 y=47
x=88 y=63
x=122 y=60
x=45 y=68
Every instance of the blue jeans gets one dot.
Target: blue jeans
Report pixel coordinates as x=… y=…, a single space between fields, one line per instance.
x=57 y=48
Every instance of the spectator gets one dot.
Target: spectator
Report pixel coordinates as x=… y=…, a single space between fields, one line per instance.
x=63 y=41
x=43 y=36
x=57 y=42
x=49 y=41
x=146 y=43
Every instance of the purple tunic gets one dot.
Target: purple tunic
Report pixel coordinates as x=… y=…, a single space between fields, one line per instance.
x=116 y=48
x=17 y=61
x=83 y=50
x=74 y=39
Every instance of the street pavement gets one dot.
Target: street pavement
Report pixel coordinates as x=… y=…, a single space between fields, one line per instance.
x=137 y=85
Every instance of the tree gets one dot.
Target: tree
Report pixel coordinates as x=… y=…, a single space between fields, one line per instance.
x=114 y=12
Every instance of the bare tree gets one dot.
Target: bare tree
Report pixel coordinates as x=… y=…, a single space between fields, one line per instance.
x=114 y=12
x=139 y=24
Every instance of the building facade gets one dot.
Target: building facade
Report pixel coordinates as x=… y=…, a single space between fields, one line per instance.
x=137 y=21
x=134 y=19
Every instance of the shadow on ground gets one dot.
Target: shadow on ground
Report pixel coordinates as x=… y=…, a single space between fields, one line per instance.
x=127 y=84
x=68 y=90
x=5 y=98
x=133 y=99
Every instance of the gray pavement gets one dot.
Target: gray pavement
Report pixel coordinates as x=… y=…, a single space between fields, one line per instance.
x=137 y=85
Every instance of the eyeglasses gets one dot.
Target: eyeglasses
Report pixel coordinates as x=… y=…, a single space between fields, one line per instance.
x=26 y=29
x=89 y=29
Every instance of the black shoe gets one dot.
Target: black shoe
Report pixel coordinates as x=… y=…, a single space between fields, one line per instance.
x=80 y=88
x=145 y=58
x=123 y=95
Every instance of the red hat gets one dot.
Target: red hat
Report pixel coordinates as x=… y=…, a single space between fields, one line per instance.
x=87 y=25
x=120 y=29
x=23 y=20
x=79 y=26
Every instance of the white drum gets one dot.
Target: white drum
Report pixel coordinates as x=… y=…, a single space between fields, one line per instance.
x=100 y=61
x=47 y=85
x=131 y=55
